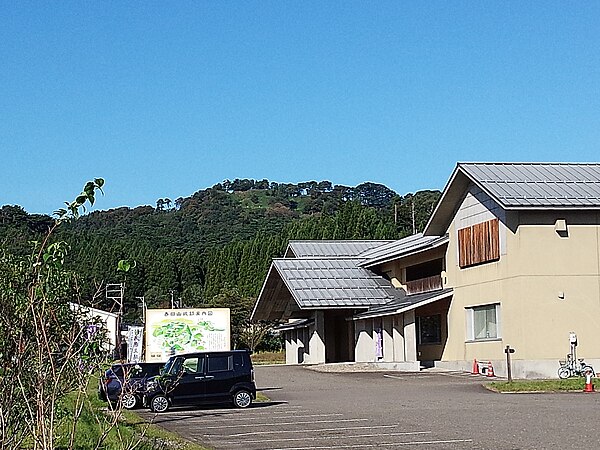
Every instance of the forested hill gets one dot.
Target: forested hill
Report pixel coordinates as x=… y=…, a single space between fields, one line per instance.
x=216 y=245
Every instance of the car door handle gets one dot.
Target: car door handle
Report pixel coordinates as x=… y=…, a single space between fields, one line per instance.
x=208 y=377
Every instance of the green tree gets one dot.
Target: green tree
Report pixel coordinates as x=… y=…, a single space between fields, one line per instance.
x=240 y=307
x=48 y=347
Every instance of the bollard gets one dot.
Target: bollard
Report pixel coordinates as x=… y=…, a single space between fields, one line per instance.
x=589 y=387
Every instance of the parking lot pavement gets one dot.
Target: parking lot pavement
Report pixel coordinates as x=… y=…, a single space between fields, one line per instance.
x=278 y=426
x=312 y=410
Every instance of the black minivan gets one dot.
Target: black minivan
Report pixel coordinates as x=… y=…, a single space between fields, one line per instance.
x=206 y=377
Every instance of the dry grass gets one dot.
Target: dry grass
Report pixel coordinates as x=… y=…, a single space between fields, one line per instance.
x=262 y=358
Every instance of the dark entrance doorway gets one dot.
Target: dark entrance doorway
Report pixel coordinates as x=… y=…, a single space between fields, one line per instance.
x=339 y=337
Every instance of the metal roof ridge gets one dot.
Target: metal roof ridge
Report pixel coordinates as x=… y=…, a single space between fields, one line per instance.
x=339 y=240
x=429 y=242
x=531 y=163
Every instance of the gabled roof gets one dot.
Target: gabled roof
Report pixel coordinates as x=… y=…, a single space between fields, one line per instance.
x=406 y=303
x=331 y=249
x=407 y=246
x=296 y=284
x=520 y=186
x=322 y=283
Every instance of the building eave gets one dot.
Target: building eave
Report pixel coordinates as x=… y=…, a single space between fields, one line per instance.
x=446 y=293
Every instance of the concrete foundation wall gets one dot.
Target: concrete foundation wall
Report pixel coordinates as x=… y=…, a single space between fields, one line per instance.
x=410 y=336
x=388 y=339
x=398 y=334
x=290 y=347
x=316 y=344
x=365 y=346
x=296 y=346
x=399 y=339
x=521 y=369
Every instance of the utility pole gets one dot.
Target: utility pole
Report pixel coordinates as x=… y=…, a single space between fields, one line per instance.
x=412 y=203
x=143 y=305
x=115 y=292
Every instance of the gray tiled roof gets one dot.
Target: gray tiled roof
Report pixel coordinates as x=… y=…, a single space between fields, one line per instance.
x=332 y=249
x=405 y=303
x=520 y=186
x=531 y=185
x=325 y=283
x=401 y=248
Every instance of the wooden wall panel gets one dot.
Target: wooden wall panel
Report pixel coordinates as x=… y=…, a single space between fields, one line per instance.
x=479 y=243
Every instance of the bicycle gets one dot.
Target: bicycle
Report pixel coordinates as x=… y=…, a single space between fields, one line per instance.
x=572 y=368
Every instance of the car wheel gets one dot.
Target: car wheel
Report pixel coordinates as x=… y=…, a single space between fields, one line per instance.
x=129 y=401
x=564 y=373
x=159 y=403
x=242 y=399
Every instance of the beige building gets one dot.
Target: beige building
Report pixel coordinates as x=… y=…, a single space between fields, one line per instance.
x=510 y=257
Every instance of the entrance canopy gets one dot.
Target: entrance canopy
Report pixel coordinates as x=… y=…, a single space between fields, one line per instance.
x=295 y=325
x=406 y=303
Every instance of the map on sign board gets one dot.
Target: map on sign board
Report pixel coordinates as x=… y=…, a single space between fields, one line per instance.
x=174 y=331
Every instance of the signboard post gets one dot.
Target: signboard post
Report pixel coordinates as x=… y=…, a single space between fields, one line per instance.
x=135 y=338
x=173 y=331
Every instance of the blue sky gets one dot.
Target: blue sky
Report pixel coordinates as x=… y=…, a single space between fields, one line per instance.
x=165 y=98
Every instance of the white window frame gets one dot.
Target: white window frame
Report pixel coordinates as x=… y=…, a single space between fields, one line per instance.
x=470 y=318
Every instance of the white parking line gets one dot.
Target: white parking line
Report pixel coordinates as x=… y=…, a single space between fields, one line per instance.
x=319 y=438
x=273 y=416
x=393 y=376
x=253 y=433
x=278 y=424
x=387 y=444
x=208 y=412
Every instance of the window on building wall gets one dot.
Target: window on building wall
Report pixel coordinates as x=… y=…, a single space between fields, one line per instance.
x=430 y=329
x=479 y=243
x=483 y=322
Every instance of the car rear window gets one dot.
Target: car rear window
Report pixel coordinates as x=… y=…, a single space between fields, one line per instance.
x=220 y=363
x=238 y=360
x=141 y=370
x=150 y=370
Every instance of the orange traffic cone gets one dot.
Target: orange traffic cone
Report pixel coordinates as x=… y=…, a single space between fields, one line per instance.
x=589 y=387
x=475 y=370
x=490 y=370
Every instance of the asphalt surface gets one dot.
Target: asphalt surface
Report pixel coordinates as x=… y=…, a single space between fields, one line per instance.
x=315 y=410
